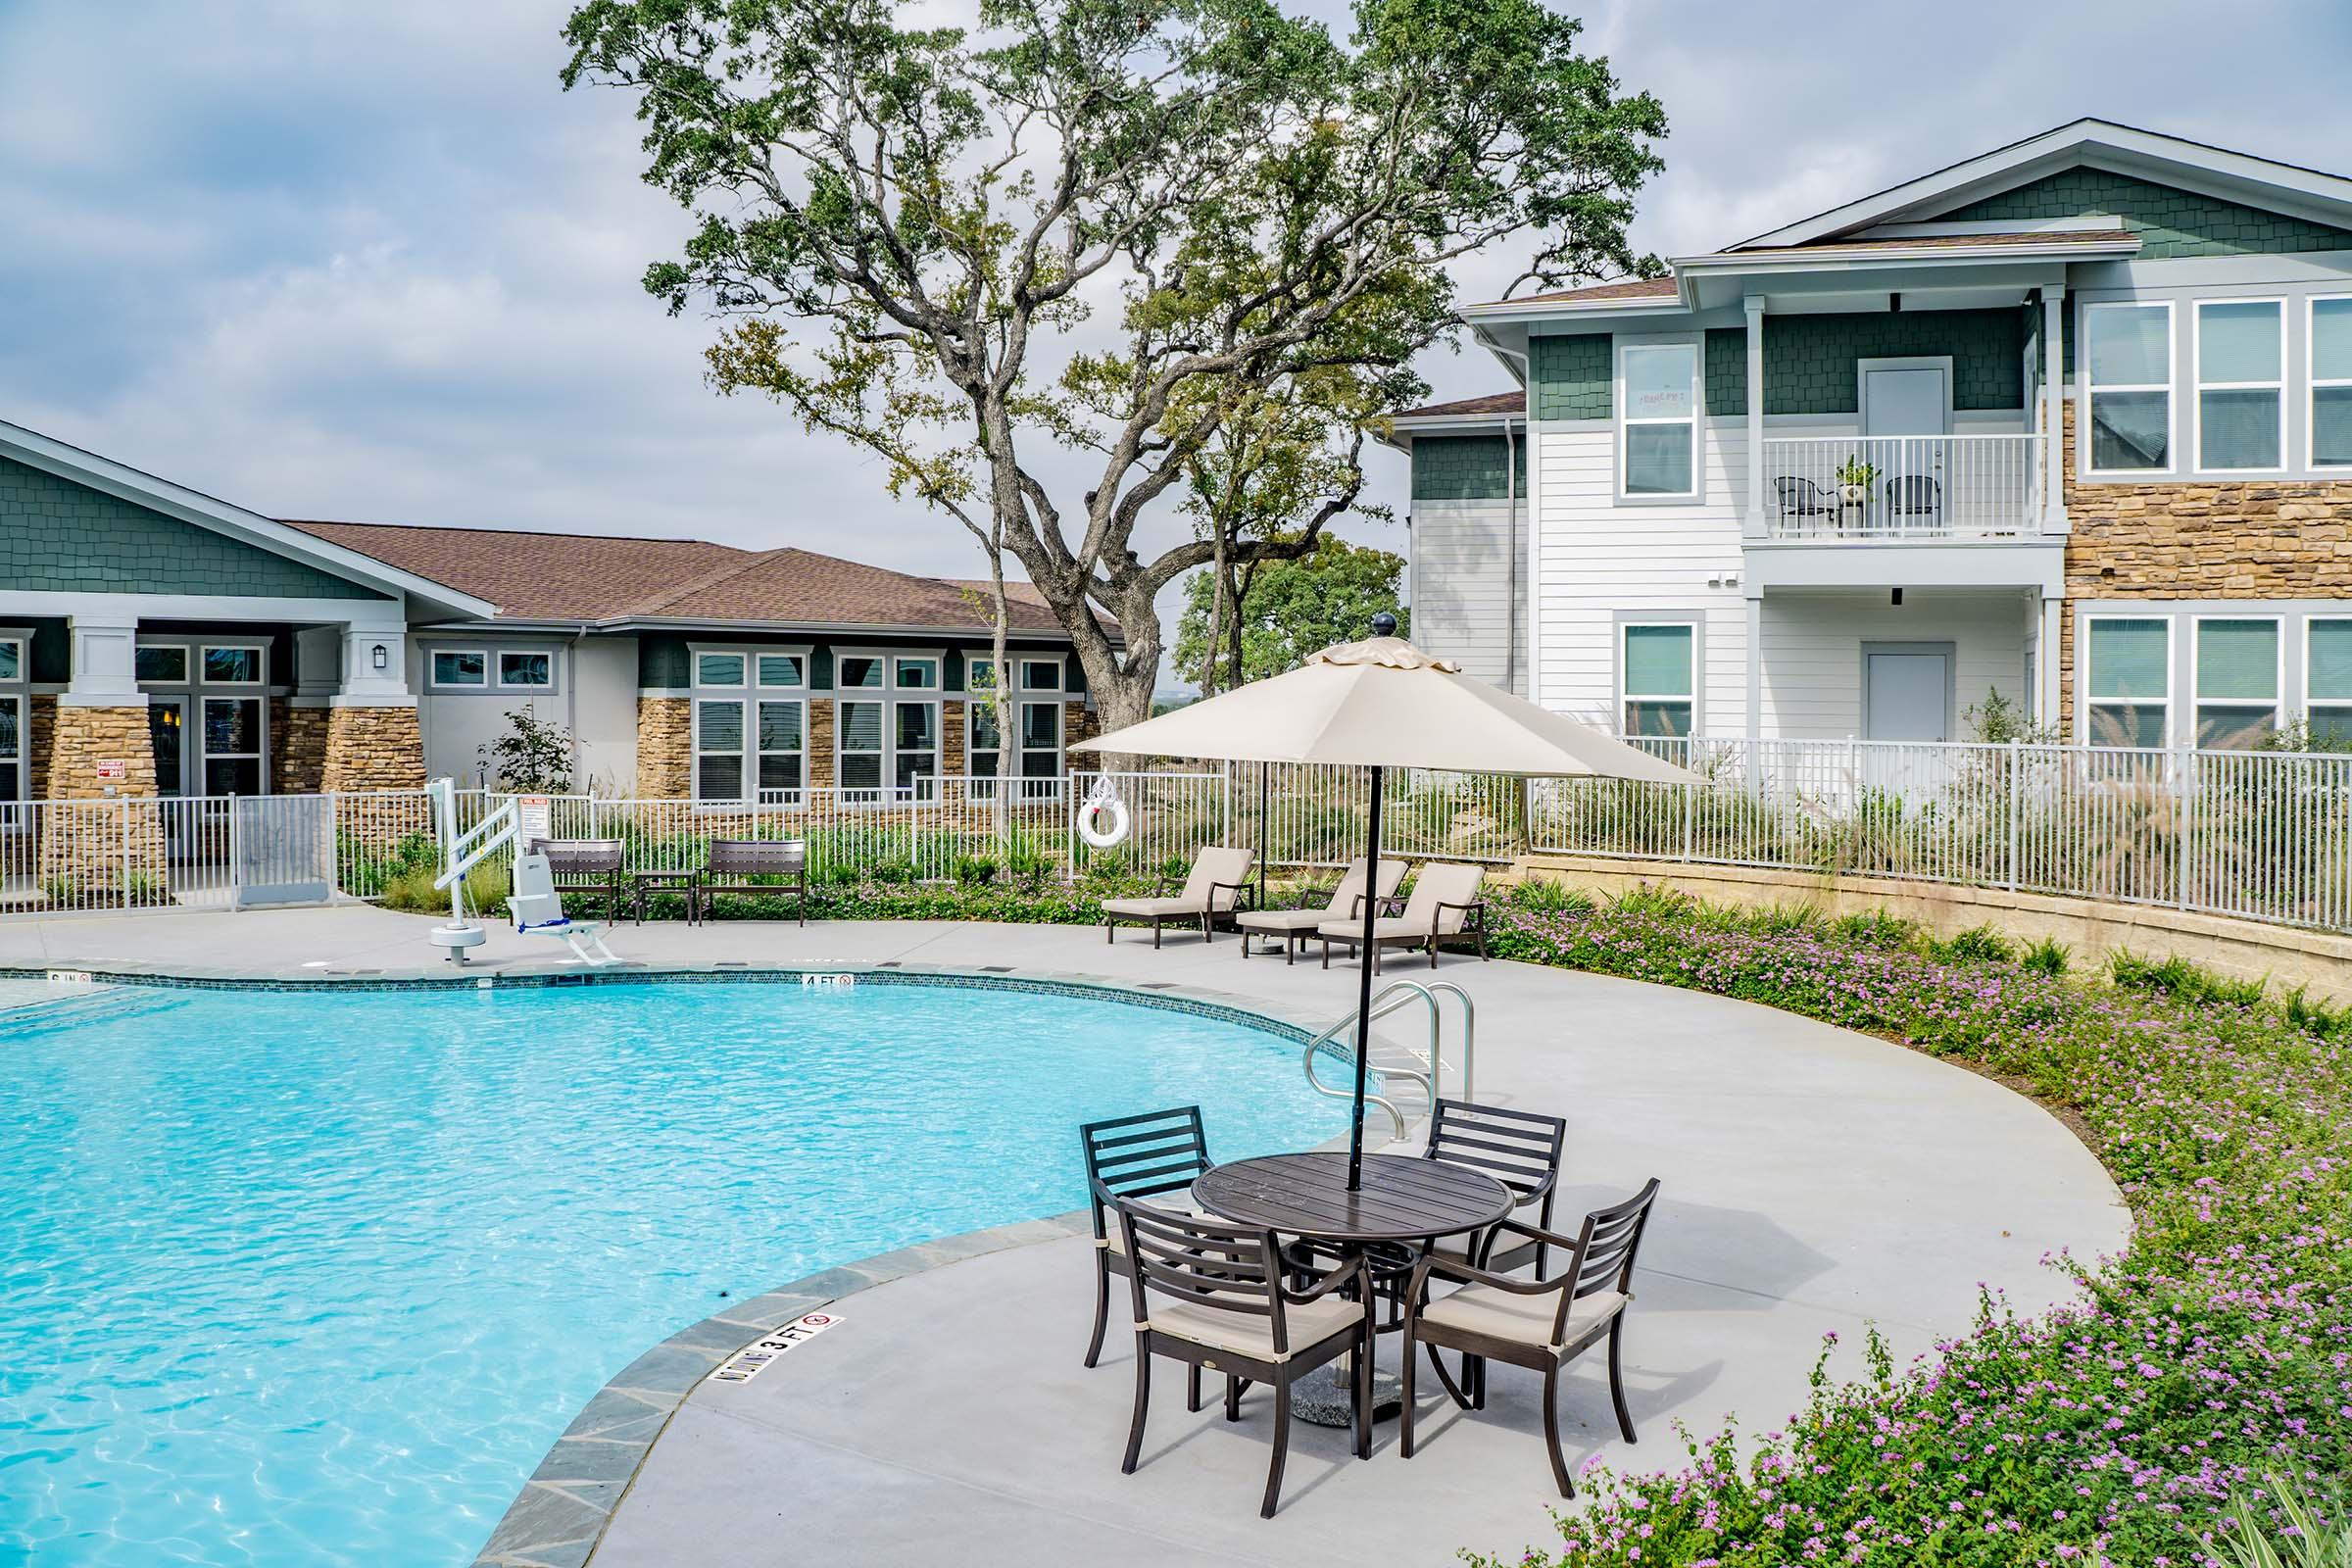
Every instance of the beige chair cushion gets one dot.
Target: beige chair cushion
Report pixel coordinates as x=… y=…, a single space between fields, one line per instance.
x=1521 y=1319
x=1247 y=1334
x=1176 y=907
x=1280 y=921
x=1389 y=928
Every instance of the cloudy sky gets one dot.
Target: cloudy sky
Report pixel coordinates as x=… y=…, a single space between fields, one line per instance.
x=358 y=260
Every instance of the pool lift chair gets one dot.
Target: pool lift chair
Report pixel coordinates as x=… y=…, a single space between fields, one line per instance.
x=533 y=900
x=538 y=908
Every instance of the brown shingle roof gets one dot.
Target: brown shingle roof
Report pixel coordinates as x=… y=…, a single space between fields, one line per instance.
x=1634 y=288
x=564 y=577
x=1493 y=403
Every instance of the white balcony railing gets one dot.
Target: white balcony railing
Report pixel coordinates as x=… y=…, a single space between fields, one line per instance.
x=1866 y=489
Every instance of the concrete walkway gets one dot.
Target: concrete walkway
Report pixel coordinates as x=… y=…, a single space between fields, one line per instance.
x=1815 y=1181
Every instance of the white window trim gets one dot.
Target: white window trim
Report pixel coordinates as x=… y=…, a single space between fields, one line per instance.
x=754 y=753
x=432 y=675
x=2083 y=442
x=206 y=756
x=1696 y=349
x=1061 y=743
x=2198 y=701
x=2310 y=702
x=974 y=709
x=259 y=650
x=2085 y=702
x=884 y=772
x=1061 y=673
x=752 y=669
x=939 y=672
x=2203 y=386
x=498 y=669
x=745 y=777
x=696 y=652
x=2314 y=384
x=17 y=694
x=187 y=655
x=1696 y=624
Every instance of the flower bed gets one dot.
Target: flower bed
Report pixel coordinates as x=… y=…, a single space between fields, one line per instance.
x=2218 y=1349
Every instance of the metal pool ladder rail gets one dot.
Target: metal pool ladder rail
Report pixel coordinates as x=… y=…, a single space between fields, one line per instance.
x=1425 y=1067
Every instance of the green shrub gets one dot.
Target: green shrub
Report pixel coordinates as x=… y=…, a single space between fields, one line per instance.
x=1977 y=945
x=2317 y=1018
x=2047 y=956
x=973 y=870
x=1549 y=895
x=2176 y=977
x=2291 y=1535
x=1877 y=929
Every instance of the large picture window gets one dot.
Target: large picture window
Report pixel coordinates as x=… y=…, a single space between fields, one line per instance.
x=2332 y=383
x=232 y=745
x=2327 y=679
x=1657 y=679
x=2241 y=384
x=2130 y=681
x=1658 y=419
x=1041 y=740
x=859 y=767
x=718 y=750
x=783 y=747
x=2237 y=682
x=2130 y=364
x=983 y=747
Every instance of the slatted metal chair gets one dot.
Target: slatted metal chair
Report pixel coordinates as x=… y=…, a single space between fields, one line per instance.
x=1135 y=1157
x=1913 y=495
x=1541 y=1324
x=1211 y=1296
x=1794 y=496
x=752 y=865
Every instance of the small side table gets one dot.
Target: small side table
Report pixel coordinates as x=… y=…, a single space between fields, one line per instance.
x=644 y=884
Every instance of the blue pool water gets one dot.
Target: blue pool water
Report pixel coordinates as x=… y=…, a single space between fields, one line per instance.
x=293 y=1279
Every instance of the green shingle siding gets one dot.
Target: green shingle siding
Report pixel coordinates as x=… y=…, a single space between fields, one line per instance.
x=1809 y=360
x=2170 y=223
x=1467 y=467
x=1571 y=376
x=61 y=536
x=662 y=665
x=1727 y=371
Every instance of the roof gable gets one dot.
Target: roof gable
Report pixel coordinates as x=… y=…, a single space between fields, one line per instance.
x=2168 y=220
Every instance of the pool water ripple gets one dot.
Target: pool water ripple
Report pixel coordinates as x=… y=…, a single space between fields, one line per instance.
x=290 y=1278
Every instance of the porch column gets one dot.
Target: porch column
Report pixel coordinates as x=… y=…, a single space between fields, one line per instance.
x=2045 y=663
x=297 y=729
x=2053 y=396
x=372 y=737
x=1756 y=663
x=1752 y=527
x=101 y=746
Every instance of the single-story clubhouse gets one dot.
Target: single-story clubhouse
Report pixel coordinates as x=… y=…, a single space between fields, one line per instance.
x=157 y=641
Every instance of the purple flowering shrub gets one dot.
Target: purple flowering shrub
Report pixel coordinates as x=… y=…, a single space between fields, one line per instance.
x=2215 y=1350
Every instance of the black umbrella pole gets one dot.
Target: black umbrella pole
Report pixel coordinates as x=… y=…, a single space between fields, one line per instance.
x=1364 y=993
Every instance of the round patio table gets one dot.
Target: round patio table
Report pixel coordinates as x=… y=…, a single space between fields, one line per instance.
x=1403 y=1199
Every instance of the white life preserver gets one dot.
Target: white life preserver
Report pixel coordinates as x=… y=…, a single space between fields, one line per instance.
x=1100 y=800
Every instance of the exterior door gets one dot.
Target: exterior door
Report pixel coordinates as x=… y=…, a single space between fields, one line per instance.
x=1906 y=400
x=168 y=734
x=1906 y=693
x=1905 y=409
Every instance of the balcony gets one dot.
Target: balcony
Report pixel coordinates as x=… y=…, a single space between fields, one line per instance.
x=1901 y=489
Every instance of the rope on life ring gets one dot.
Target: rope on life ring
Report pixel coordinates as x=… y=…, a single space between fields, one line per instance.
x=1100 y=800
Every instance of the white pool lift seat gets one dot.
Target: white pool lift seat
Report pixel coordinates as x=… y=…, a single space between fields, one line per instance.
x=538 y=910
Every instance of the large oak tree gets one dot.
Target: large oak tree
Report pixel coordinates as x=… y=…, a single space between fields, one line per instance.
x=1109 y=227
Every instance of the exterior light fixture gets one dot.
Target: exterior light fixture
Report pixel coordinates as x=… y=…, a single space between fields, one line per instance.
x=381 y=657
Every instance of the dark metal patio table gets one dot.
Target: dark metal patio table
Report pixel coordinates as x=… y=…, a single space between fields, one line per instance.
x=1404 y=1199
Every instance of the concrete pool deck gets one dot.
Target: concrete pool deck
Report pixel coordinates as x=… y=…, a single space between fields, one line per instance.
x=1815 y=1180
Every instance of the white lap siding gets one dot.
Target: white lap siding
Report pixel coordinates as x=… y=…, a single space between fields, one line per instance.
x=1813 y=652
x=1602 y=562
x=1469 y=571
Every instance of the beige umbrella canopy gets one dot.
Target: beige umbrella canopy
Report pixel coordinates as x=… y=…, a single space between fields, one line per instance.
x=1381 y=704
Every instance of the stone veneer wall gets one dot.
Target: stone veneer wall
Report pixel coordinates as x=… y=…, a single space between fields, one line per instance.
x=1079 y=722
x=297 y=748
x=820 y=756
x=2172 y=539
x=40 y=724
x=373 y=748
x=81 y=851
x=950 y=740
x=665 y=748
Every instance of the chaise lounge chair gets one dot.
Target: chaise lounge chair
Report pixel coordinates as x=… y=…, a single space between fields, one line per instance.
x=1292 y=927
x=1445 y=904
x=538 y=910
x=1219 y=879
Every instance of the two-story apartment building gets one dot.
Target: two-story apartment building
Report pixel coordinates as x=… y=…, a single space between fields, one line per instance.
x=2070 y=422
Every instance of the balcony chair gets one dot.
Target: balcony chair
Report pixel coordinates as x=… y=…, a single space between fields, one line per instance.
x=1913 y=495
x=1795 y=497
x=1130 y=1158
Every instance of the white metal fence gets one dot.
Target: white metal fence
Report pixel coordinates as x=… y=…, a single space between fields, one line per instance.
x=1865 y=488
x=2265 y=836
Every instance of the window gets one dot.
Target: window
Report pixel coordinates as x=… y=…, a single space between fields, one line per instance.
x=783 y=669
x=11 y=659
x=980 y=675
x=2327 y=679
x=526 y=671
x=718 y=669
x=2130 y=387
x=233 y=742
x=2131 y=682
x=917 y=674
x=1041 y=674
x=914 y=748
x=1041 y=740
x=11 y=719
x=782 y=726
x=1657 y=679
x=233 y=666
x=2241 y=384
x=718 y=751
x=983 y=748
x=461 y=667
x=165 y=666
x=2332 y=383
x=857 y=671
x=2237 y=682
x=860 y=746
x=1658 y=419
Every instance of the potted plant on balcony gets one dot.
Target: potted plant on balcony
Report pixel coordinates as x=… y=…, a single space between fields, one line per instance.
x=1854 y=479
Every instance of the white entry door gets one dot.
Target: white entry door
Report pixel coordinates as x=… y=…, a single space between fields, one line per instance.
x=1906 y=693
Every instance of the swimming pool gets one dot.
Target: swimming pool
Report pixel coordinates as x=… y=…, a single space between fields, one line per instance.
x=291 y=1278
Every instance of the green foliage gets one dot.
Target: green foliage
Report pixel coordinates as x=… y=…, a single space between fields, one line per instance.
x=973 y=870
x=2047 y=956
x=2178 y=977
x=1877 y=929
x=1292 y=608
x=1977 y=945
x=1549 y=895
x=533 y=757
x=1996 y=721
x=1853 y=470
x=2286 y=1532
x=2315 y=1017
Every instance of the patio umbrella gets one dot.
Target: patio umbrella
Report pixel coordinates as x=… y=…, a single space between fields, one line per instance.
x=1381 y=704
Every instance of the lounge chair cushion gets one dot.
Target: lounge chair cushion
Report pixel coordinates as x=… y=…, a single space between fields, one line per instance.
x=1280 y=921
x=1522 y=1319
x=1176 y=907
x=1389 y=928
x=1309 y=1324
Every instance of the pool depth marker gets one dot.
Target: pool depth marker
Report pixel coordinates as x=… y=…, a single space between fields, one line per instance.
x=753 y=1359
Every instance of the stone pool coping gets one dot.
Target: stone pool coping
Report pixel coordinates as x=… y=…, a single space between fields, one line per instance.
x=563 y=1507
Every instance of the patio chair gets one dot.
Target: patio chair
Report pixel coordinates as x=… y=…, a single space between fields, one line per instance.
x=1445 y=904
x=1797 y=497
x=584 y=865
x=1211 y=1296
x=1913 y=495
x=752 y=865
x=1219 y=879
x=1134 y=1157
x=1346 y=903
x=538 y=910
x=1541 y=1324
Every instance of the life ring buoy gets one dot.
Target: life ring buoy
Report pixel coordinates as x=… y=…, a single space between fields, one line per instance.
x=1101 y=800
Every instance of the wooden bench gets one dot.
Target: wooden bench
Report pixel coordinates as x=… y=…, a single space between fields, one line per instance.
x=753 y=865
